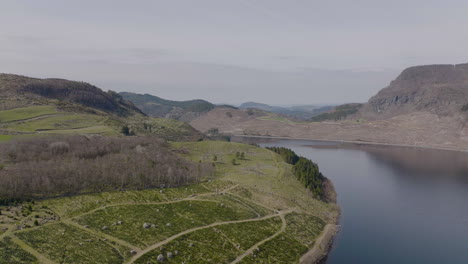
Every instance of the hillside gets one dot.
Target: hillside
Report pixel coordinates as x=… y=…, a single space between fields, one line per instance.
x=32 y=107
x=300 y=112
x=157 y=107
x=425 y=106
x=436 y=89
x=254 y=211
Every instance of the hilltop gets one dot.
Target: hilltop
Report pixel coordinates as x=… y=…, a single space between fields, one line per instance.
x=437 y=89
x=157 y=107
x=33 y=106
x=300 y=112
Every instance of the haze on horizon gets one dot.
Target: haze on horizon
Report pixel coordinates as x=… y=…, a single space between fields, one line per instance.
x=270 y=51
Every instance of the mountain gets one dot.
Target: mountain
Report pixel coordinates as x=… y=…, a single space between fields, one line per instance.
x=300 y=112
x=424 y=106
x=32 y=106
x=157 y=107
x=437 y=89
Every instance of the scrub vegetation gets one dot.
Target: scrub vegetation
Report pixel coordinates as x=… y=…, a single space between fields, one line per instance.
x=252 y=212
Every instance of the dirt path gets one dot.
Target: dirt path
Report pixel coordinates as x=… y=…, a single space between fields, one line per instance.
x=250 y=250
x=32 y=118
x=99 y=234
x=167 y=240
x=10 y=229
x=190 y=198
x=39 y=256
x=321 y=245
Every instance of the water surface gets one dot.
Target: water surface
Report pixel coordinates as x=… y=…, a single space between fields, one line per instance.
x=399 y=205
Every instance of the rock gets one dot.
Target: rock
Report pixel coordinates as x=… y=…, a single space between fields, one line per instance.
x=153 y=226
x=176 y=252
x=160 y=258
x=170 y=255
x=146 y=225
x=119 y=222
x=133 y=252
x=85 y=226
x=190 y=245
x=105 y=228
x=168 y=224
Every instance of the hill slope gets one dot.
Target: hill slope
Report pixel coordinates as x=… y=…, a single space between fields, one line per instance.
x=300 y=112
x=157 y=107
x=425 y=106
x=437 y=89
x=32 y=106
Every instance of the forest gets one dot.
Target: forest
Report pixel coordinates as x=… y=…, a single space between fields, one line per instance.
x=306 y=171
x=67 y=165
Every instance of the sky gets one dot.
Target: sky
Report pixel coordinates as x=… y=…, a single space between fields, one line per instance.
x=279 y=52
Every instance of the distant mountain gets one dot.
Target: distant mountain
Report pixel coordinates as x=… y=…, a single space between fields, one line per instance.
x=424 y=106
x=437 y=89
x=301 y=112
x=157 y=107
x=339 y=112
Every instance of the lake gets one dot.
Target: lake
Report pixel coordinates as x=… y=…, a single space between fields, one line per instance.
x=399 y=205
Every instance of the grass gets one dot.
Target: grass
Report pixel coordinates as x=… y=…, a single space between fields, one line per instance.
x=281 y=249
x=277 y=118
x=64 y=121
x=100 y=129
x=5 y=137
x=204 y=246
x=262 y=172
x=304 y=228
x=68 y=207
x=66 y=244
x=257 y=186
x=26 y=113
x=245 y=235
x=10 y=253
x=181 y=216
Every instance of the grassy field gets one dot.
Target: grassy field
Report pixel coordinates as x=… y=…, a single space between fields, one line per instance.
x=65 y=244
x=5 y=137
x=26 y=113
x=204 y=246
x=252 y=209
x=63 y=121
x=10 y=253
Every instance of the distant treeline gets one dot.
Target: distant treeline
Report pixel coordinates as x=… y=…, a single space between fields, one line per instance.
x=306 y=171
x=47 y=167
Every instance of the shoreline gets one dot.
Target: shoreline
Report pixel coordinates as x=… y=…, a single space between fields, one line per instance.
x=322 y=245
x=355 y=142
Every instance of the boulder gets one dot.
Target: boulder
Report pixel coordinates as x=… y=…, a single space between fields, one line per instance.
x=146 y=225
x=160 y=258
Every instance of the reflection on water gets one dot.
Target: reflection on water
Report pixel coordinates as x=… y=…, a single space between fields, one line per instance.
x=399 y=205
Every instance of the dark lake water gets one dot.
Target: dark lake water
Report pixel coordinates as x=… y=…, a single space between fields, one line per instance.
x=399 y=205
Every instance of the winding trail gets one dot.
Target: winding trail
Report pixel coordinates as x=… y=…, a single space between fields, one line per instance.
x=167 y=240
x=250 y=250
x=31 y=250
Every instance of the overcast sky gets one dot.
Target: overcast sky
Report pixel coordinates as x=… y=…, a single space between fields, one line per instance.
x=231 y=51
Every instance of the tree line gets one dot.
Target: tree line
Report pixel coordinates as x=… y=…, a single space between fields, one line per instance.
x=305 y=170
x=49 y=167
